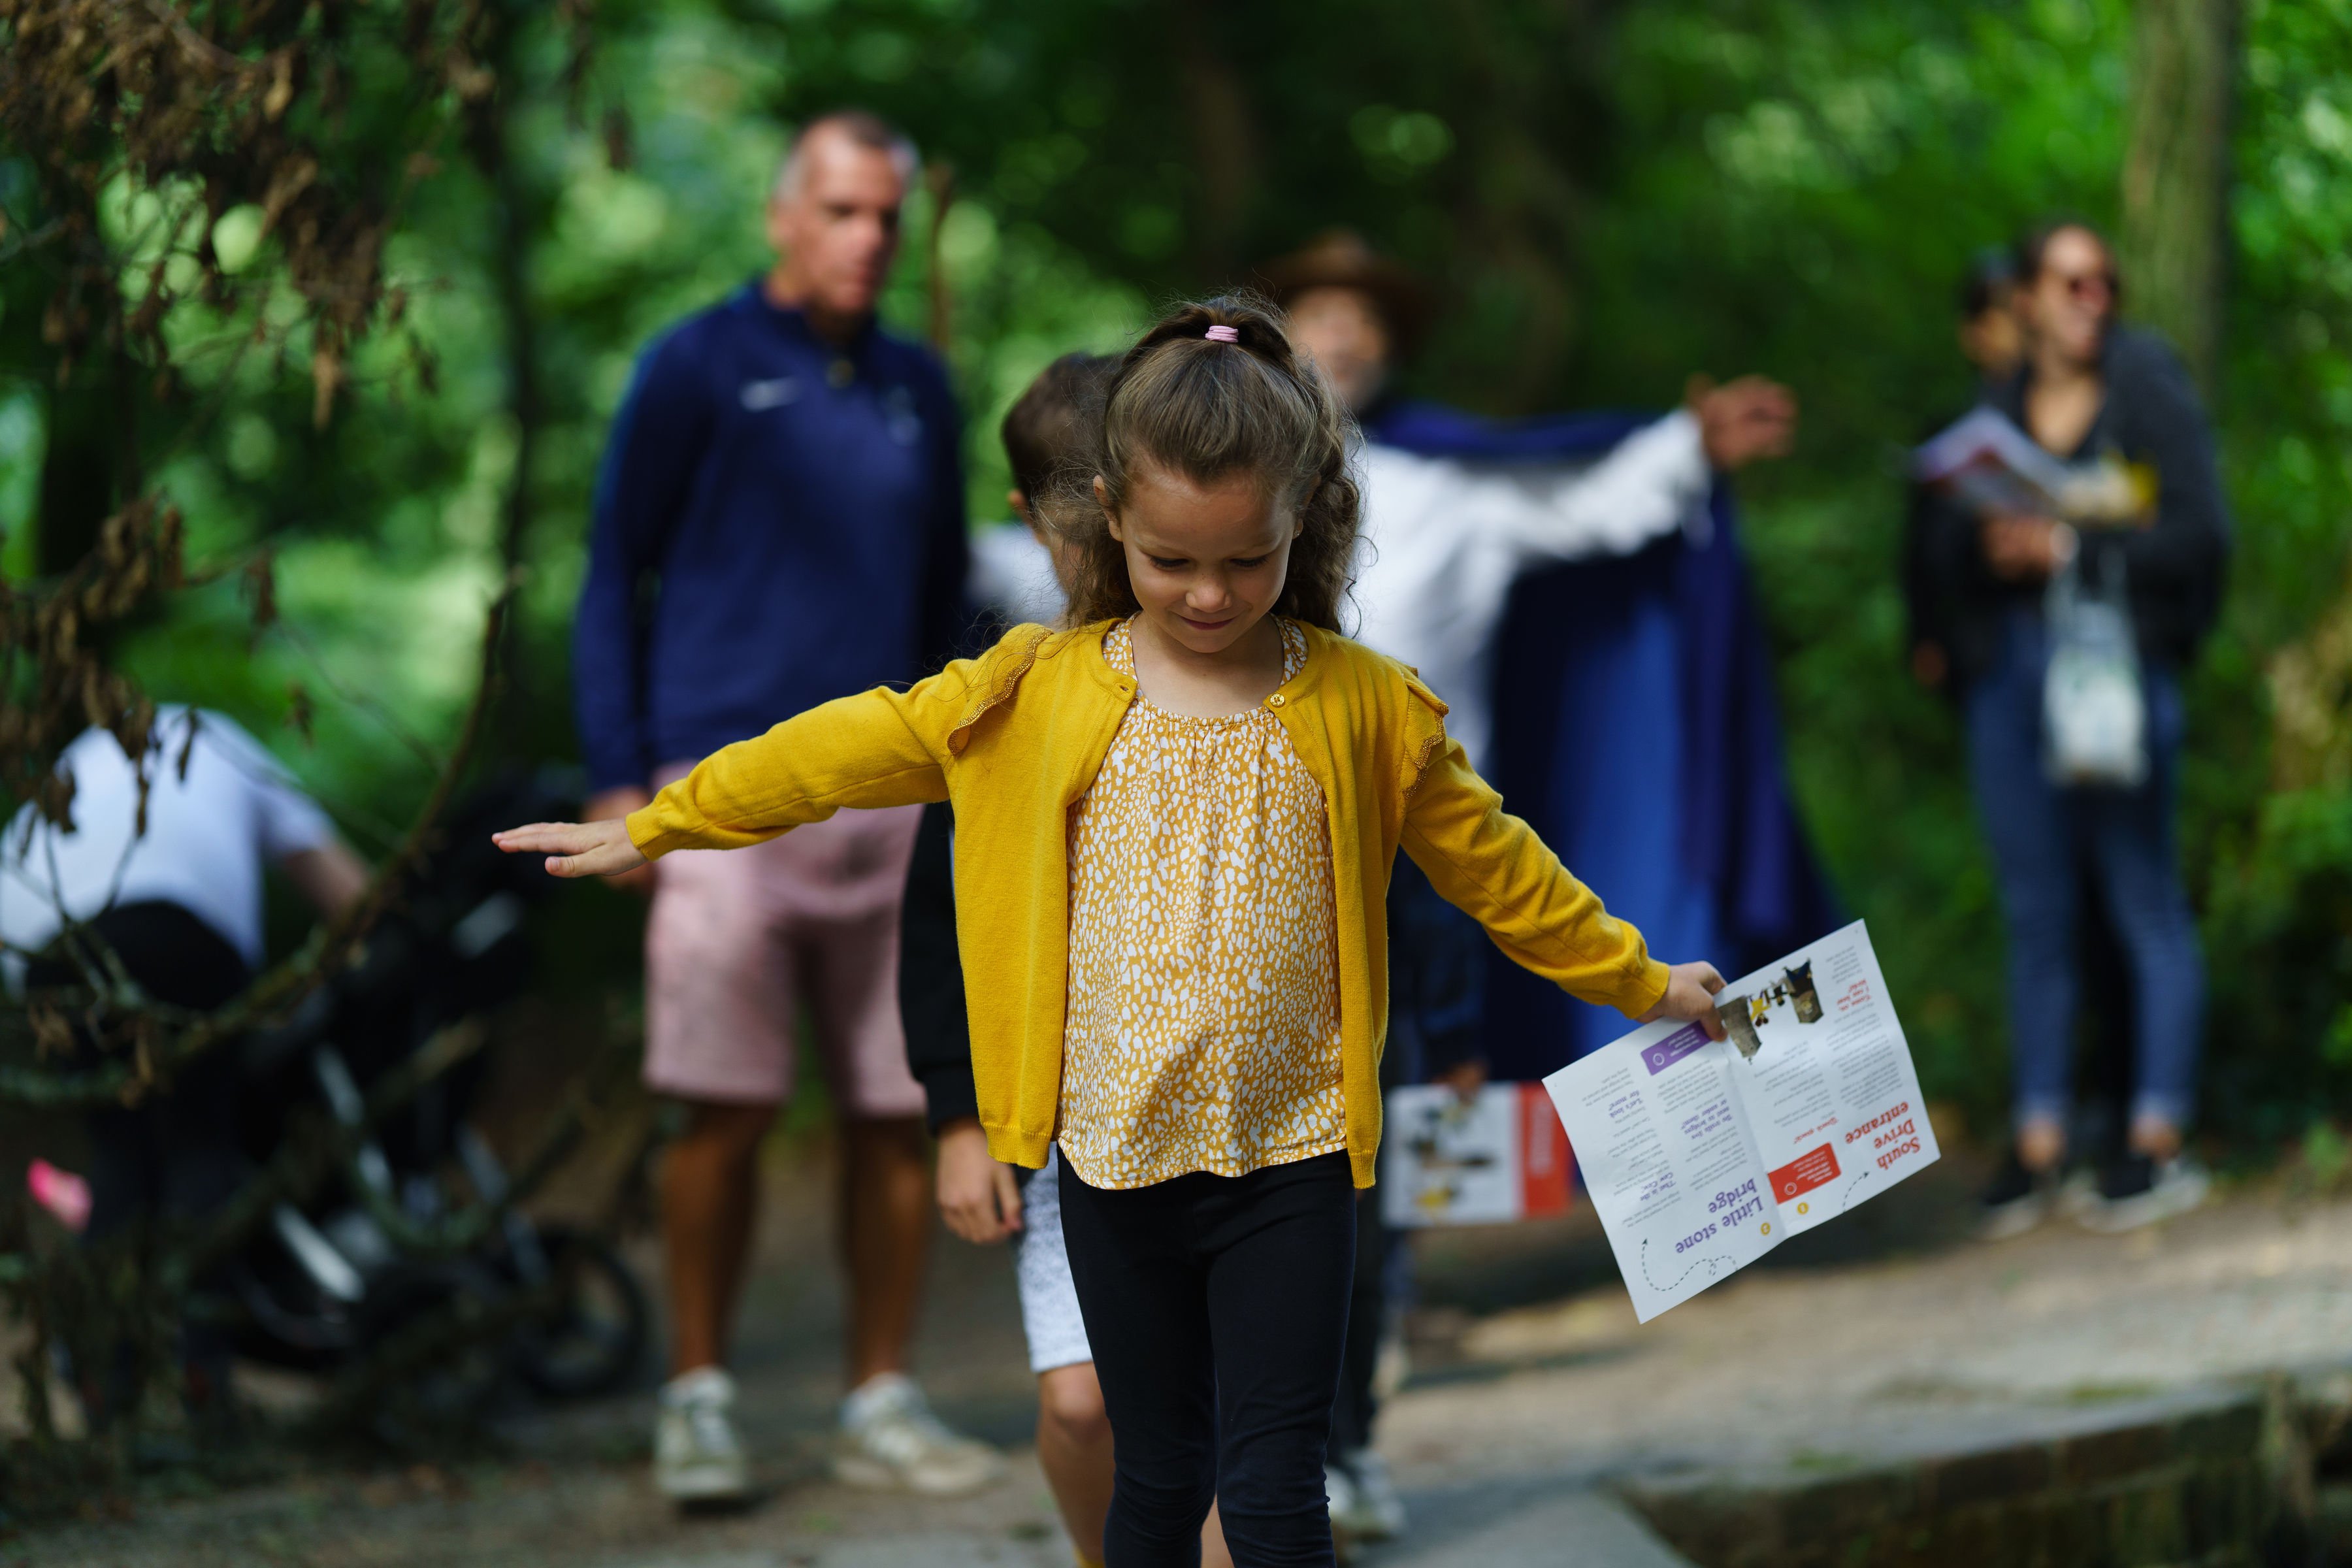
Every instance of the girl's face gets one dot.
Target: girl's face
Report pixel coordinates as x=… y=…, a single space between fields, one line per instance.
x=1207 y=561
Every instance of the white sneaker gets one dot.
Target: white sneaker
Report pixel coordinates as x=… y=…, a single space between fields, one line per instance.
x=2017 y=1201
x=696 y=1456
x=2078 y=1195
x=1365 y=1505
x=1393 y=1369
x=1338 y=1489
x=891 y=1441
x=2137 y=1191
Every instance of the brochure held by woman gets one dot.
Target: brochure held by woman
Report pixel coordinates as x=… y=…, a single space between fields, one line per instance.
x=1993 y=467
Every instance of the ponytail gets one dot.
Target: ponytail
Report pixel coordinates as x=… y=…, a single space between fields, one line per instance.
x=1208 y=408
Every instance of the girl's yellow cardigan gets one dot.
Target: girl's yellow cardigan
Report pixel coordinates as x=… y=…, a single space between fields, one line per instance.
x=1014 y=740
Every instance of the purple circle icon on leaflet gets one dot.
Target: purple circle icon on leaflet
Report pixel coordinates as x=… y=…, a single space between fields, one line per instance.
x=1674 y=1048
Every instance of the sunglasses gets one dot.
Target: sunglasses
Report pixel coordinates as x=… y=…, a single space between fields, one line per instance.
x=2083 y=286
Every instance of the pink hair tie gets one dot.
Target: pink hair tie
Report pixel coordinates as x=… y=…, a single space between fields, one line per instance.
x=1223 y=335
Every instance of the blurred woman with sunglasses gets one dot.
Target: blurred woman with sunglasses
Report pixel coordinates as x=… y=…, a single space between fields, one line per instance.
x=2090 y=388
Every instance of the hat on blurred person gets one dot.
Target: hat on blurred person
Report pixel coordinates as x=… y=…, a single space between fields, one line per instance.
x=1339 y=258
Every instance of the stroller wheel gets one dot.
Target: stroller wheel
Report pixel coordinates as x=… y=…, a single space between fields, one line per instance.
x=593 y=1338
x=411 y=1312
x=282 y=1319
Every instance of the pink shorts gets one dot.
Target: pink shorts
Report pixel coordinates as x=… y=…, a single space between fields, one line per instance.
x=740 y=943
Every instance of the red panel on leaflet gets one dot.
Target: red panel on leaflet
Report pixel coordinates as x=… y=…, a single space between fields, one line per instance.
x=1545 y=1169
x=1805 y=1172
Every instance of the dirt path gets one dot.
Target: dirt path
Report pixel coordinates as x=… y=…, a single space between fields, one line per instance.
x=1889 y=1333
x=1828 y=1363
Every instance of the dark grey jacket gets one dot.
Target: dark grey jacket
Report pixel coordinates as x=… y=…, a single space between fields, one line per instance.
x=2175 y=567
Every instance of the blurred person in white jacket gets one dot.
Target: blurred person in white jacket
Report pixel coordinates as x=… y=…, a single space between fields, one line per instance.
x=1455 y=509
x=178 y=904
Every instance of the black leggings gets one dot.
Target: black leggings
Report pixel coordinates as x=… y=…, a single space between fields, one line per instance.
x=1358 y=1406
x=174 y=1158
x=1216 y=1307
x=175 y=1154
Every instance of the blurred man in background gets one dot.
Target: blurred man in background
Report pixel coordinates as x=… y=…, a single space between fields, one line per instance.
x=1455 y=510
x=779 y=521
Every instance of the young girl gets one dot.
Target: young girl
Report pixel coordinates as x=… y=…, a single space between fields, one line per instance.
x=1175 y=824
x=1048 y=431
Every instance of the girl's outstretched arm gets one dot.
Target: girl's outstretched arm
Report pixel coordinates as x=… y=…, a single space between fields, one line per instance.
x=879 y=748
x=575 y=849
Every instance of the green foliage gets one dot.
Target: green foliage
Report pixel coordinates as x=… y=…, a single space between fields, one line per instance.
x=1802 y=188
x=1608 y=197
x=2280 y=924
x=2275 y=869
x=2326 y=1155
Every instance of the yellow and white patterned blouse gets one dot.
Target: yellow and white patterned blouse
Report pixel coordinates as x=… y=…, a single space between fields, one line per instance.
x=1203 y=1023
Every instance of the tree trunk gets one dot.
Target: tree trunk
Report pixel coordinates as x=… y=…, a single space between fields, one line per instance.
x=89 y=457
x=1224 y=141
x=521 y=210
x=938 y=178
x=526 y=399
x=2177 y=171
x=82 y=464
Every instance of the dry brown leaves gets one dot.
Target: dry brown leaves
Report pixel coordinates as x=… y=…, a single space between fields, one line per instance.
x=204 y=110
x=225 y=106
x=54 y=668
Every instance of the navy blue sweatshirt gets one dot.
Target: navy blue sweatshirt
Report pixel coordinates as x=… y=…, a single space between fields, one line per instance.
x=779 y=521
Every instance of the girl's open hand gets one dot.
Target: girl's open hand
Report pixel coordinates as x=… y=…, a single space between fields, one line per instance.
x=1690 y=996
x=575 y=849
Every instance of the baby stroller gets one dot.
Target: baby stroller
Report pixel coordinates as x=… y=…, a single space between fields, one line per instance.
x=327 y=1282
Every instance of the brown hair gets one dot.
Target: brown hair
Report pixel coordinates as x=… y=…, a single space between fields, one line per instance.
x=1045 y=430
x=1205 y=410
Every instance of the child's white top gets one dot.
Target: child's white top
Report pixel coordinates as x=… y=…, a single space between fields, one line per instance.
x=208 y=834
x=1203 y=1024
x=1444 y=539
x=1013 y=574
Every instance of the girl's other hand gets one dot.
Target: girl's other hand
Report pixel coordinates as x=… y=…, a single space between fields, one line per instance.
x=575 y=849
x=1690 y=996
x=979 y=1197
x=1466 y=1078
